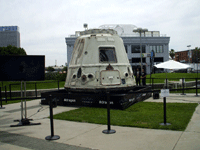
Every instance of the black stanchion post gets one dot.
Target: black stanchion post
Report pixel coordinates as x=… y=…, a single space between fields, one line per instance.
x=166 y=83
x=165 y=113
x=35 y=89
x=1 y=100
x=52 y=136
x=196 y=88
x=164 y=103
x=108 y=131
x=58 y=85
x=183 y=87
x=152 y=84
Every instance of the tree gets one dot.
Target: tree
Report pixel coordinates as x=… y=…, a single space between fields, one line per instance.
x=172 y=53
x=12 y=50
x=196 y=55
x=51 y=69
x=65 y=69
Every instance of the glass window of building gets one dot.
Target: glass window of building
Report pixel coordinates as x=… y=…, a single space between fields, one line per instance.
x=138 y=60
x=136 y=48
x=158 y=59
x=161 y=49
x=156 y=48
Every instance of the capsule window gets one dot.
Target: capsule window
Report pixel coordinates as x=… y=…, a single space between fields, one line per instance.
x=107 y=55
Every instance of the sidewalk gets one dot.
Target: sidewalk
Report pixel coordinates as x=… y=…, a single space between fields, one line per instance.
x=76 y=135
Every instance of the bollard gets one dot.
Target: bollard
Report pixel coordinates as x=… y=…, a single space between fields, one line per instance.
x=196 y=89
x=166 y=86
x=58 y=85
x=152 y=84
x=108 y=131
x=165 y=113
x=35 y=89
x=52 y=136
x=183 y=87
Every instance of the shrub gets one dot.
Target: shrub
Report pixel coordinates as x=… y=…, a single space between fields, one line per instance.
x=55 y=76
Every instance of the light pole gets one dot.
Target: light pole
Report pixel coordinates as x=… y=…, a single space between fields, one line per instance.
x=189 y=52
x=197 y=66
x=140 y=30
x=177 y=57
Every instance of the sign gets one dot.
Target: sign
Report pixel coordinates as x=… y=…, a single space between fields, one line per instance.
x=22 y=68
x=164 y=93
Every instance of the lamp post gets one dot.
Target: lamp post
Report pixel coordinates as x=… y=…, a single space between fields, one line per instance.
x=177 y=57
x=189 y=52
x=197 y=66
x=140 y=30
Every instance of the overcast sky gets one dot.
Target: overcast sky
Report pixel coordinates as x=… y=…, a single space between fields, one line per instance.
x=44 y=24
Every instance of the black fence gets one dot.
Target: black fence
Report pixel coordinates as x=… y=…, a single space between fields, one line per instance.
x=6 y=91
x=173 y=84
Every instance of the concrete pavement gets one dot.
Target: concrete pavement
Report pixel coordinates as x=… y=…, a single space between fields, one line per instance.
x=77 y=135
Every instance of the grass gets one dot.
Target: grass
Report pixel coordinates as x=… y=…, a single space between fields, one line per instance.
x=142 y=115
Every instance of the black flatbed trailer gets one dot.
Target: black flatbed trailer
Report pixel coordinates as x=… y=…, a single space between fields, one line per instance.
x=118 y=99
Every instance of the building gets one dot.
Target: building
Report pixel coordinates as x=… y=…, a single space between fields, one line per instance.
x=9 y=35
x=150 y=40
x=183 y=56
x=188 y=57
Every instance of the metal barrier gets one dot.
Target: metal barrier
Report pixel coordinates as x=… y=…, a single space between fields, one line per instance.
x=182 y=82
x=152 y=83
x=36 y=90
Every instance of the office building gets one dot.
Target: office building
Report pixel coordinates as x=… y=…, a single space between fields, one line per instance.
x=9 y=35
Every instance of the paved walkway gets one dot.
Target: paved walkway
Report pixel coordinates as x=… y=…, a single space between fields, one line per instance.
x=82 y=136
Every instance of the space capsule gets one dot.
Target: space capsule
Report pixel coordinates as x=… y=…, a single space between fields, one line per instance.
x=99 y=62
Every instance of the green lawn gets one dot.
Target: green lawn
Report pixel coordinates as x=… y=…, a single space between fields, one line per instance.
x=143 y=115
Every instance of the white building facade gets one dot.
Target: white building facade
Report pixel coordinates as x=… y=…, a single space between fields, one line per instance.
x=150 y=40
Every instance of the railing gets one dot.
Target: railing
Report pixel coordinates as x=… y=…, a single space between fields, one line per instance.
x=175 y=84
x=4 y=88
x=180 y=84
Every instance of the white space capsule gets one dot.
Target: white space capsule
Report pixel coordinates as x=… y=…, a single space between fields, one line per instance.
x=99 y=61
